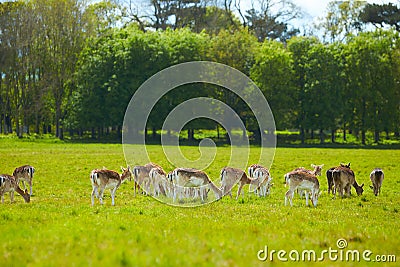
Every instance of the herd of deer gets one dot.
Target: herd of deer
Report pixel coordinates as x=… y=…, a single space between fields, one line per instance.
x=192 y=183
x=184 y=183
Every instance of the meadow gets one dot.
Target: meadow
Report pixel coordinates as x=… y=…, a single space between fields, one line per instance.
x=59 y=227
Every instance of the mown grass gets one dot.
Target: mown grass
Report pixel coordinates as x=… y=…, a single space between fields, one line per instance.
x=60 y=228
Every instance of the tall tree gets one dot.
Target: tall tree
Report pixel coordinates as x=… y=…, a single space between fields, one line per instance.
x=341 y=20
x=381 y=15
x=273 y=73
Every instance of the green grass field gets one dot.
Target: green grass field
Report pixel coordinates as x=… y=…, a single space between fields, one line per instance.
x=60 y=227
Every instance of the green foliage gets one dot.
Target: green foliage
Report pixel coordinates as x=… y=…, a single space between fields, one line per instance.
x=59 y=227
x=273 y=73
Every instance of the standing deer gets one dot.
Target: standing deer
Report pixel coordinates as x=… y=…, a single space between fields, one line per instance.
x=24 y=174
x=102 y=179
x=329 y=176
x=343 y=179
x=142 y=178
x=8 y=183
x=161 y=184
x=317 y=169
x=251 y=171
x=264 y=177
x=303 y=181
x=376 y=178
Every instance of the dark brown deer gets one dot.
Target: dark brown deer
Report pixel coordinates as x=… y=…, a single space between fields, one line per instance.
x=329 y=176
x=343 y=179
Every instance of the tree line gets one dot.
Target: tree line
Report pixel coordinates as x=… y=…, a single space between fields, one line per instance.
x=73 y=66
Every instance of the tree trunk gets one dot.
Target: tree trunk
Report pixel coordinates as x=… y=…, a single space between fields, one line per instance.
x=333 y=136
x=376 y=135
x=363 y=137
x=302 y=137
x=344 y=133
x=321 y=136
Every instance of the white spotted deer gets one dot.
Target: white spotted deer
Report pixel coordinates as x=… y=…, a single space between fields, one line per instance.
x=317 y=170
x=376 y=178
x=102 y=179
x=303 y=181
x=264 y=178
x=251 y=169
x=8 y=183
x=231 y=176
x=186 y=180
x=24 y=174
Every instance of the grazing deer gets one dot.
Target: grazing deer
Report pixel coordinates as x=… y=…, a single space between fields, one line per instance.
x=317 y=170
x=24 y=174
x=107 y=179
x=304 y=181
x=264 y=177
x=8 y=183
x=343 y=179
x=231 y=176
x=184 y=179
x=252 y=168
x=162 y=185
x=376 y=177
x=142 y=178
x=329 y=176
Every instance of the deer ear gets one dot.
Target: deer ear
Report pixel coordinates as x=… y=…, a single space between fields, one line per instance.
x=362 y=185
x=122 y=169
x=312 y=165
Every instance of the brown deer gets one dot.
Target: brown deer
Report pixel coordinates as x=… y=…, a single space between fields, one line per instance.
x=303 y=181
x=376 y=178
x=142 y=178
x=231 y=176
x=102 y=179
x=8 y=183
x=343 y=179
x=24 y=174
x=329 y=176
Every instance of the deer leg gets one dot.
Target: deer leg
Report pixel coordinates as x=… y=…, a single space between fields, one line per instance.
x=112 y=192
x=239 y=191
x=289 y=195
x=101 y=195
x=94 y=193
x=306 y=195
x=30 y=188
